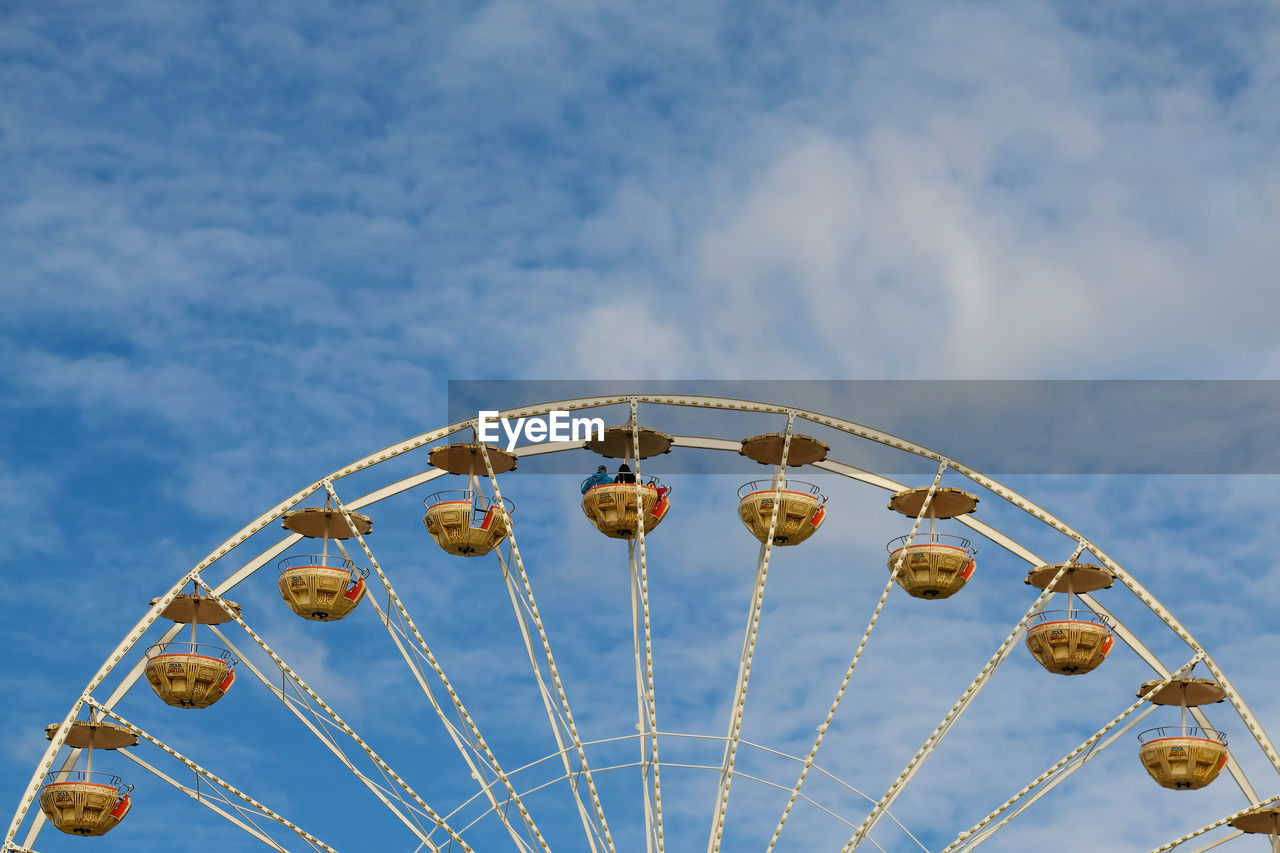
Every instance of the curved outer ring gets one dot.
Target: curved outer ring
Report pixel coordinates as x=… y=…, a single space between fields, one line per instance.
x=691 y=401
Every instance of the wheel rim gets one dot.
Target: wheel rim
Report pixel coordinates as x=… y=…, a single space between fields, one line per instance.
x=245 y=568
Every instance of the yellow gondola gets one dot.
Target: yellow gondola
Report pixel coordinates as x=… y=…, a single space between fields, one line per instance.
x=323 y=587
x=185 y=673
x=935 y=565
x=1071 y=641
x=87 y=802
x=1183 y=757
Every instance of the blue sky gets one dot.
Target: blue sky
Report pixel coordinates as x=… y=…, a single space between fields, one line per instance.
x=244 y=245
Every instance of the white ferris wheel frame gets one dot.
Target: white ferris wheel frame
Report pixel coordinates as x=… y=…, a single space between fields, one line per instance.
x=417 y=815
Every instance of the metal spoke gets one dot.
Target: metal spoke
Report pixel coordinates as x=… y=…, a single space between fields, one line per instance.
x=748 y=648
x=1060 y=777
x=479 y=740
x=551 y=661
x=411 y=823
x=554 y=715
x=1145 y=596
x=1225 y=839
x=639 y=572
x=249 y=827
x=210 y=777
x=293 y=676
x=642 y=715
x=1223 y=821
x=1089 y=742
x=984 y=675
x=848 y=675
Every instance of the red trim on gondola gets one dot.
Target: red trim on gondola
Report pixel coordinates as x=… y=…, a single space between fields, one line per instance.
x=818 y=517
x=122 y=807
x=355 y=591
x=968 y=570
x=660 y=508
x=488 y=518
x=228 y=681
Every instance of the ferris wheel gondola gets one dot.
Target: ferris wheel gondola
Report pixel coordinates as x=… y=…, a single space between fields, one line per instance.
x=466 y=522
x=1070 y=641
x=188 y=674
x=935 y=565
x=87 y=802
x=324 y=586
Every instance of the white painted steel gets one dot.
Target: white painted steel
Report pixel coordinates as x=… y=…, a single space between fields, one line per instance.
x=1070 y=756
x=551 y=661
x=709 y=767
x=253 y=830
x=1209 y=827
x=857 y=655
x=705 y=442
x=1061 y=776
x=639 y=580
x=1222 y=841
x=329 y=743
x=210 y=777
x=983 y=676
x=738 y=707
x=478 y=739
x=553 y=713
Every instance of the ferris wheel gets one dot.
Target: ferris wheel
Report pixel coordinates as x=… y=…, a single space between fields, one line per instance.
x=450 y=731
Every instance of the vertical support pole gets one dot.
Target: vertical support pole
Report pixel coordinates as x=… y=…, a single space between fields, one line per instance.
x=748 y=648
x=1183 y=691
x=641 y=716
x=644 y=668
x=473 y=489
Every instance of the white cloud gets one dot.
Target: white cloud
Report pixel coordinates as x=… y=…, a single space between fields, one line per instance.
x=241 y=250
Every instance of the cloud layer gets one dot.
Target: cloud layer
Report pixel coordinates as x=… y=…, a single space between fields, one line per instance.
x=242 y=246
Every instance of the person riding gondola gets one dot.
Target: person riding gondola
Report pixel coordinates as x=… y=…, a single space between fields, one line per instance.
x=599 y=478
x=624 y=474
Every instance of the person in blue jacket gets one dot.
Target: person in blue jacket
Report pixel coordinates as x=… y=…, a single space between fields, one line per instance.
x=599 y=478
